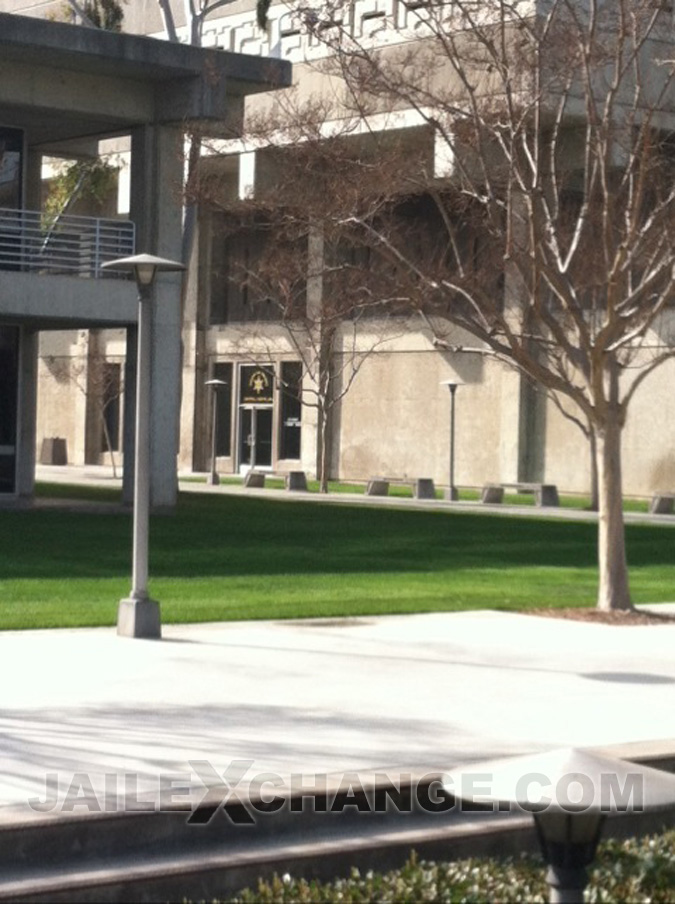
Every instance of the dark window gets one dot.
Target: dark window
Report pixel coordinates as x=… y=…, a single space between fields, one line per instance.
x=291 y=409
x=9 y=364
x=11 y=148
x=257 y=274
x=223 y=371
x=240 y=290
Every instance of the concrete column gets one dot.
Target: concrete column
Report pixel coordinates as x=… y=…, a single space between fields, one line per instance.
x=195 y=315
x=156 y=180
x=523 y=409
x=26 y=426
x=128 y=415
x=509 y=427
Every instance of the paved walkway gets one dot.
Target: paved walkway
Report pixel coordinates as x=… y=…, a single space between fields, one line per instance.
x=398 y=693
x=395 y=694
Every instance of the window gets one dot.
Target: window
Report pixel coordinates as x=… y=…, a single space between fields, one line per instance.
x=11 y=146
x=239 y=287
x=258 y=273
x=291 y=410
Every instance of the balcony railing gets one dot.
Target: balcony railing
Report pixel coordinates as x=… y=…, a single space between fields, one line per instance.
x=34 y=242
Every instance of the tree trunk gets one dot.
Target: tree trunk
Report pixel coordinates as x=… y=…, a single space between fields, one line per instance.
x=595 y=500
x=322 y=469
x=108 y=442
x=613 y=590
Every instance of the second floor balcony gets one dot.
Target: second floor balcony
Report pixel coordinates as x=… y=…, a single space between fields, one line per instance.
x=31 y=241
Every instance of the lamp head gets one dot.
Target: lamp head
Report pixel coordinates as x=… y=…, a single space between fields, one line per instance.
x=144 y=267
x=451 y=384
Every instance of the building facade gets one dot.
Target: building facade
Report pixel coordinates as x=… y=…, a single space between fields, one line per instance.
x=394 y=420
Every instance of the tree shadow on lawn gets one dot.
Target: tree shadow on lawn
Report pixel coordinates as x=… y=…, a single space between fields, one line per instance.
x=234 y=536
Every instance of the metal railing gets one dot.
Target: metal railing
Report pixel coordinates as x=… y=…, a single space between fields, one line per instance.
x=33 y=241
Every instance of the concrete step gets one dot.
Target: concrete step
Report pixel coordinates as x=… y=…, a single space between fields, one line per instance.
x=212 y=869
x=170 y=855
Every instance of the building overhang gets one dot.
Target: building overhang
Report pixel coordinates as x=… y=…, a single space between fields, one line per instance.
x=61 y=82
x=46 y=302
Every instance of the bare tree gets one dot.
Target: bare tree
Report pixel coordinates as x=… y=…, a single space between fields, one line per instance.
x=550 y=168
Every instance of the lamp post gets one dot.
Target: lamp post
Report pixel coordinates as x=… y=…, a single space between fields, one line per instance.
x=453 y=494
x=138 y=615
x=214 y=479
x=569 y=792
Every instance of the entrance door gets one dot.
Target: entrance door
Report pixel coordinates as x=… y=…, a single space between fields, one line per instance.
x=256 y=404
x=255 y=438
x=9 y=381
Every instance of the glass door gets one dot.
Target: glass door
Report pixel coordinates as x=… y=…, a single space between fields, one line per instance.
x=255 y=438
x=256 y=410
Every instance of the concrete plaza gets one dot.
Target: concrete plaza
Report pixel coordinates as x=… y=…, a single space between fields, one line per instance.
x=395 y=694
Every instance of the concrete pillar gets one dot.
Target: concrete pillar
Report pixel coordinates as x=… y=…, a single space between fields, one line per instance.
x=522 y=435
x=128 y=415
x=523 y=409
x=191 y=453
x=156 y=180
x=26 y=428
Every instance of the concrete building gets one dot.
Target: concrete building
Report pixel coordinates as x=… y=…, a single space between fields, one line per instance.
x=64 y=89
x=394 y=420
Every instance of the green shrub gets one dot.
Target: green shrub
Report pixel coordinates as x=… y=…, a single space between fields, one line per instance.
x=639 y=871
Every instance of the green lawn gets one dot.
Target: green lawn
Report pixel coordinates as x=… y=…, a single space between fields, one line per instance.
x=231 y=557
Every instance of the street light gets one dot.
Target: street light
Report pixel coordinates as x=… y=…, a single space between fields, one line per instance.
x=453 y=494
x=138 y=615
x=569 y=792
x=214 y=478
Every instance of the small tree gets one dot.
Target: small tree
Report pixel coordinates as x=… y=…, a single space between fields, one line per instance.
x=551 y=170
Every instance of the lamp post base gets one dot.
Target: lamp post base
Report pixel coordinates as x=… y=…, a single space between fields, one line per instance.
x=213 y=480
x=452 y=494
x=139 y=618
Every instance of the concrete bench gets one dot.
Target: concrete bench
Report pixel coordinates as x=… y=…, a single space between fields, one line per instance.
x=296 y=480
x=545 y=494
x=377 y=486
x=662 y=504
x=254 y=479
x=54 y=451
x=423 y=487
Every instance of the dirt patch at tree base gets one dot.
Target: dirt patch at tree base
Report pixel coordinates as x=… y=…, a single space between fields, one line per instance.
x=631 y=617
